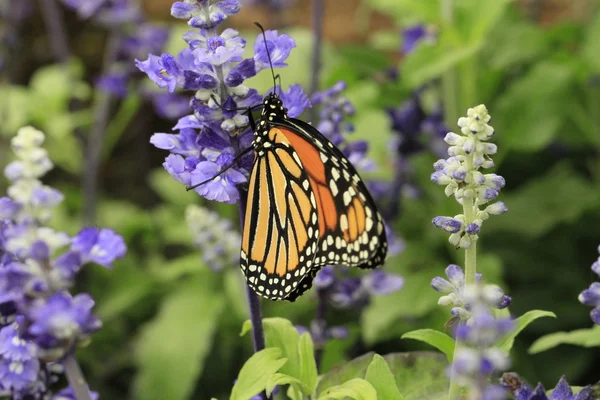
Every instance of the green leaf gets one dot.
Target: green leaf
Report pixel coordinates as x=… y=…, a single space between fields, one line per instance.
x=172 y=270
x=430 y=61
x=256 y=373
x=280 y=380
x=437 y=339
x=172 y=347
x=505 y=54
x=580 y=337
x=308 y=366
x=358 y=389
x=15 y=102
x=590 y=50
x=379 y=375
x=542 y=212
x=419 y=374
x=521 y=323
x=526 y=123
x=281 y=334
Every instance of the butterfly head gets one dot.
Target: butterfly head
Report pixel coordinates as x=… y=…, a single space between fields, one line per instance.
x=273 y=107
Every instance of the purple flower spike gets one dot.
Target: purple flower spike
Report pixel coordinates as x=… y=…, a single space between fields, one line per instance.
x=100 y=246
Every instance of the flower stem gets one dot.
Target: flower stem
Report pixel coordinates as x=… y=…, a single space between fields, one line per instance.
x=470 y=277
x=320 y=319
x=56 y=30
x=75 y=378
x=94 y=143
x=258 y=335
x=318 y=12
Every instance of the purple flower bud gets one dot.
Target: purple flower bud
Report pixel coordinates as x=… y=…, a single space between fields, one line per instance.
x=181 y=9
x=473 y=228
x=412 y=36
x=490 y=194
x=441 y=285
x=8 y=208
x=591 y=296
x=447 y=224
x=439 y=178
x=459 y=174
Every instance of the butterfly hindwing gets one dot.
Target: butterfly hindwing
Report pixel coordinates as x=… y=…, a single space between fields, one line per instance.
x=351 y=229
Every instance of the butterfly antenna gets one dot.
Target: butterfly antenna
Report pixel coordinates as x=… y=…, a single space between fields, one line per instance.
x=268 y=56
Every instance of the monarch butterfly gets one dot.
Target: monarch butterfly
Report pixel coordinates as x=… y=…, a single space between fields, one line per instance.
x=307 y=207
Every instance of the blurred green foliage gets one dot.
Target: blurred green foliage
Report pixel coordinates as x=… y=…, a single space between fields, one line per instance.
x=171 y=325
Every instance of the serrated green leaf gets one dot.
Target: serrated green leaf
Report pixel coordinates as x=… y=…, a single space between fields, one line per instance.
x=581 y=337
x=437 y=339
x=521 y=323
x=357 y=389
x=256 y=372
x=308 y=366
x=172 y=347
x=379 y=375
x=280 y=380
x=419 y=374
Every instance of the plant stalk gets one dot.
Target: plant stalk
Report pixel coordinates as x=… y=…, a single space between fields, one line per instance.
x=258 y=335
x=94 y=143
x=75 y=378
x=56 y=30
x=321 y=322
x=318 y=12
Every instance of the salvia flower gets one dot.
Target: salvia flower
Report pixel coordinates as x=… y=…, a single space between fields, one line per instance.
x=453 y=289
x=562 y=391
x=40 y=320
x=214 y=236
x=344 y=291
x=213 y=69
x=591 y=296
x=477 y=359
x=469 y=151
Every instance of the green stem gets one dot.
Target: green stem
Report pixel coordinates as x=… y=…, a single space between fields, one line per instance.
x=470 y=274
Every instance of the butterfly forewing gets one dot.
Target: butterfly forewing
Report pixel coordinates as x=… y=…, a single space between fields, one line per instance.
x=281 y=229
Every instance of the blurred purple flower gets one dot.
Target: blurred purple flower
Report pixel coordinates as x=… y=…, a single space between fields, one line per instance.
x=101 y=246
x=69 y=394
x=562 y=391
x=412 y=36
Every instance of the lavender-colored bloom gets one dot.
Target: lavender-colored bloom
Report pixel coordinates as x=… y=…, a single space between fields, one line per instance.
x=325 y=278
x=380 y=283
x=62 y=318
x=69 y=394
x=295 y=100
x=101 y=246
x=412 y=36
x=562 y=391
x=279 y=47
x=115 y=84
x=222 y=188
x=218 y=50
x=170 y=105
x=202 y=15
x=591 y=296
